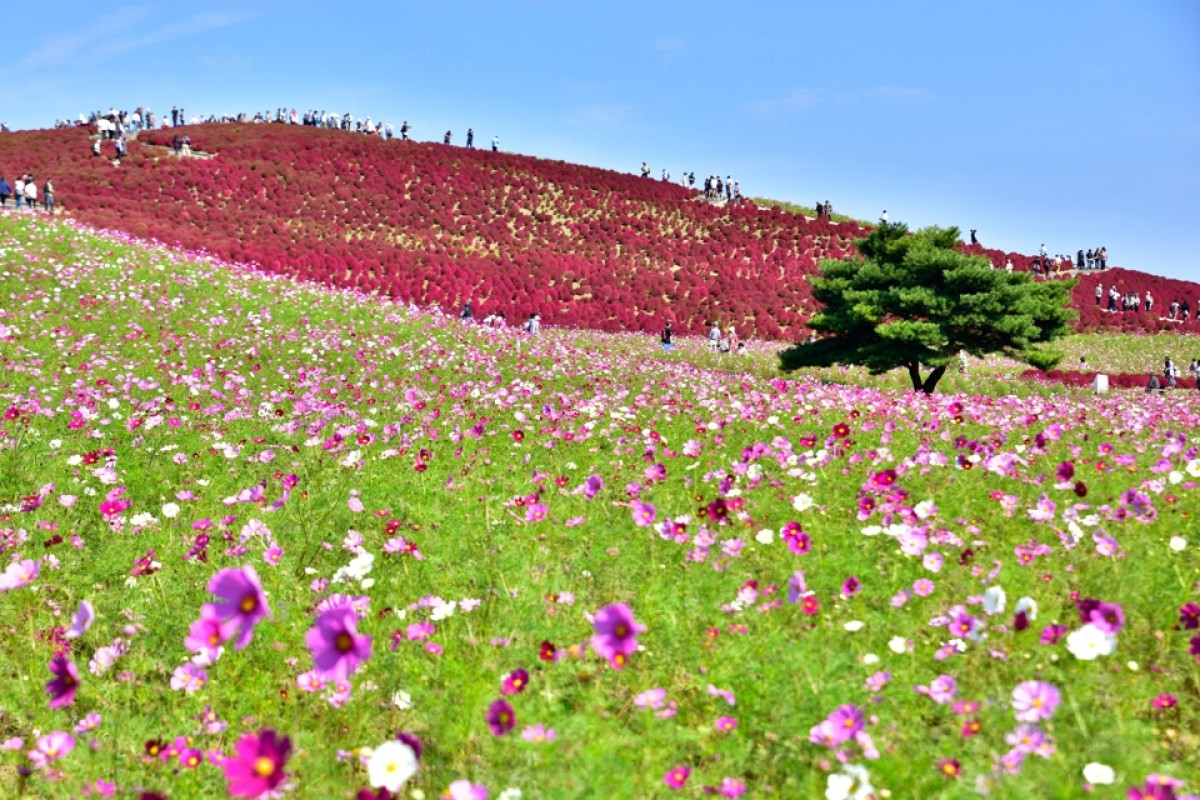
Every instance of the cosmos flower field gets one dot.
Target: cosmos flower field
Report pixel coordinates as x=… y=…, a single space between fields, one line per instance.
x=266 y=539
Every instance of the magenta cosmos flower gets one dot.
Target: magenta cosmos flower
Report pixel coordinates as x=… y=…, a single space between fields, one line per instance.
x=241 y=599
x=337 y=646
x=515 y=682
x=501 y=718
x=676 y=777
x=62 y=686
x=257 y=764
x=18 y=574
x=616 y=634
x=1035 y=700
x=207 y=634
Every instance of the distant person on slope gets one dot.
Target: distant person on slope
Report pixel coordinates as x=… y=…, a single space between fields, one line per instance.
x=446 y=138
x=470 y=138
x=645 y=170
x=668 y=338
x=31 y=193
x=404 y=131
x=19 y=191
x=48 y=200
x=467 y=313
x=714 y=336
x=495 y=144
x=5 y=192
x=974 y=238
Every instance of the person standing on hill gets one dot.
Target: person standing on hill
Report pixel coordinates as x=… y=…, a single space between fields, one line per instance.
x=467 y=314
x=31 y=192
x=668 y=338
x=1102 y=255
x=1099 y=293
x=645 y=170
x=19 y=191
x=495 y=144
x=174 y=116
x=883 y=217
x=1149 y=301
x=5 y=191
x=48 y=198
x=714 y=336
x=446 y=138
x=404 y=131
x=470 y=138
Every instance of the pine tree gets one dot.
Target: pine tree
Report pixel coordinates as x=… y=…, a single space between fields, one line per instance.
x=915 y=301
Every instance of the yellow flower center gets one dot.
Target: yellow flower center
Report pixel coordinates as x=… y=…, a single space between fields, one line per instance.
x=249 y=603
x=263 y=766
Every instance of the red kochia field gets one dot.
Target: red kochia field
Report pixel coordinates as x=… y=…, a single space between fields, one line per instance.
x=442 y=225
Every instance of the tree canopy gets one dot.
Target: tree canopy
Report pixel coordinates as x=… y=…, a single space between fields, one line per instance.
x=915 y=301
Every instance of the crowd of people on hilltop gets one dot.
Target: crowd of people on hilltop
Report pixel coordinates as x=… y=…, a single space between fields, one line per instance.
x=714 y=188
x=1045 y=264
x=1122 y=302
x=24 y=191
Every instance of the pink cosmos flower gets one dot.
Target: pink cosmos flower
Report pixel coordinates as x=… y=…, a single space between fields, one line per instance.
x=676 y=777
x=732 y=787
x=726 y=724
x=643 y=514
x=207 y=634
x=515 y=682
x=337 y=646
x=62 y=686
x=1035 y=700
x=82 y=620
x=941 y=689
x=616 y=634
x=539 y=734
x=241 y=599
x=256 y=767
x=465 y=790
x=52 y=747
x=501 y=718
x=18 y=574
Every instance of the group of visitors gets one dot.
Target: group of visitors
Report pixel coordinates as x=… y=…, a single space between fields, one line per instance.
x=470 y=138
x=728 y=343
x=24 y=192
x=1096 y=258
x=1170 y=375
x=533 y=325
x=714 y=188
x=1119 y=302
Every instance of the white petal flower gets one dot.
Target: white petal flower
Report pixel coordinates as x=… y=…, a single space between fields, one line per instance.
x=1178 y=543
x=765 y=536
x=994 y=600
x=391 y=765
x=1099 y=774
x=1089 y=642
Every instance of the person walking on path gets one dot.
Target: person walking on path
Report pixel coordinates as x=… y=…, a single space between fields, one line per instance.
x=19 y=191
x=404 y=131
x=714 y=336
x=31 y=192
x=5 y=192
x=495 y=144
x=446 y=138
x=470 y=138
x=1099 y=293
x=48 y=196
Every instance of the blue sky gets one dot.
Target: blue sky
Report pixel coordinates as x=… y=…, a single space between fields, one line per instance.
x=1076 y=124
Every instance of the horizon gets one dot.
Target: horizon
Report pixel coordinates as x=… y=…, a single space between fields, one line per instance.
x=1099 y=104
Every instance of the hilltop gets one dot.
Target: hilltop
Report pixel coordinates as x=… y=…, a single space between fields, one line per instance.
x=441 y=225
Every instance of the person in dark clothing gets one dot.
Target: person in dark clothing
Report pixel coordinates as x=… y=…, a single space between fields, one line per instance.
x=470 y=138
x=1079 y=260
x=1153 y=385
x=974 y=238
x=668 y=337
x=467 y=313
x=176 y=143
x=404 y=131
x=5 y=192
x=446 y=138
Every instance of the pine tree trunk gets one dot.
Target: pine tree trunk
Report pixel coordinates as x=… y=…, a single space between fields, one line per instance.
x=933 y=379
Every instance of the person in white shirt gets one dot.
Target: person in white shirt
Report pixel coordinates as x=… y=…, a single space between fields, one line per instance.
x=19 y=191
x=31 y=194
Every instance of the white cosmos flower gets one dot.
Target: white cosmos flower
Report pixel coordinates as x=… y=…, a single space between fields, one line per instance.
x=855 y=625
x=994 y=600
x=898 y=644
x=1089 y=642
x=1029 y=606
x=802 y=502
x=765 y=536
x=402 y=700
x=170 y=510
x=852 y=783
x=391 y=765
x=1178 y=543
x=1099 y=774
